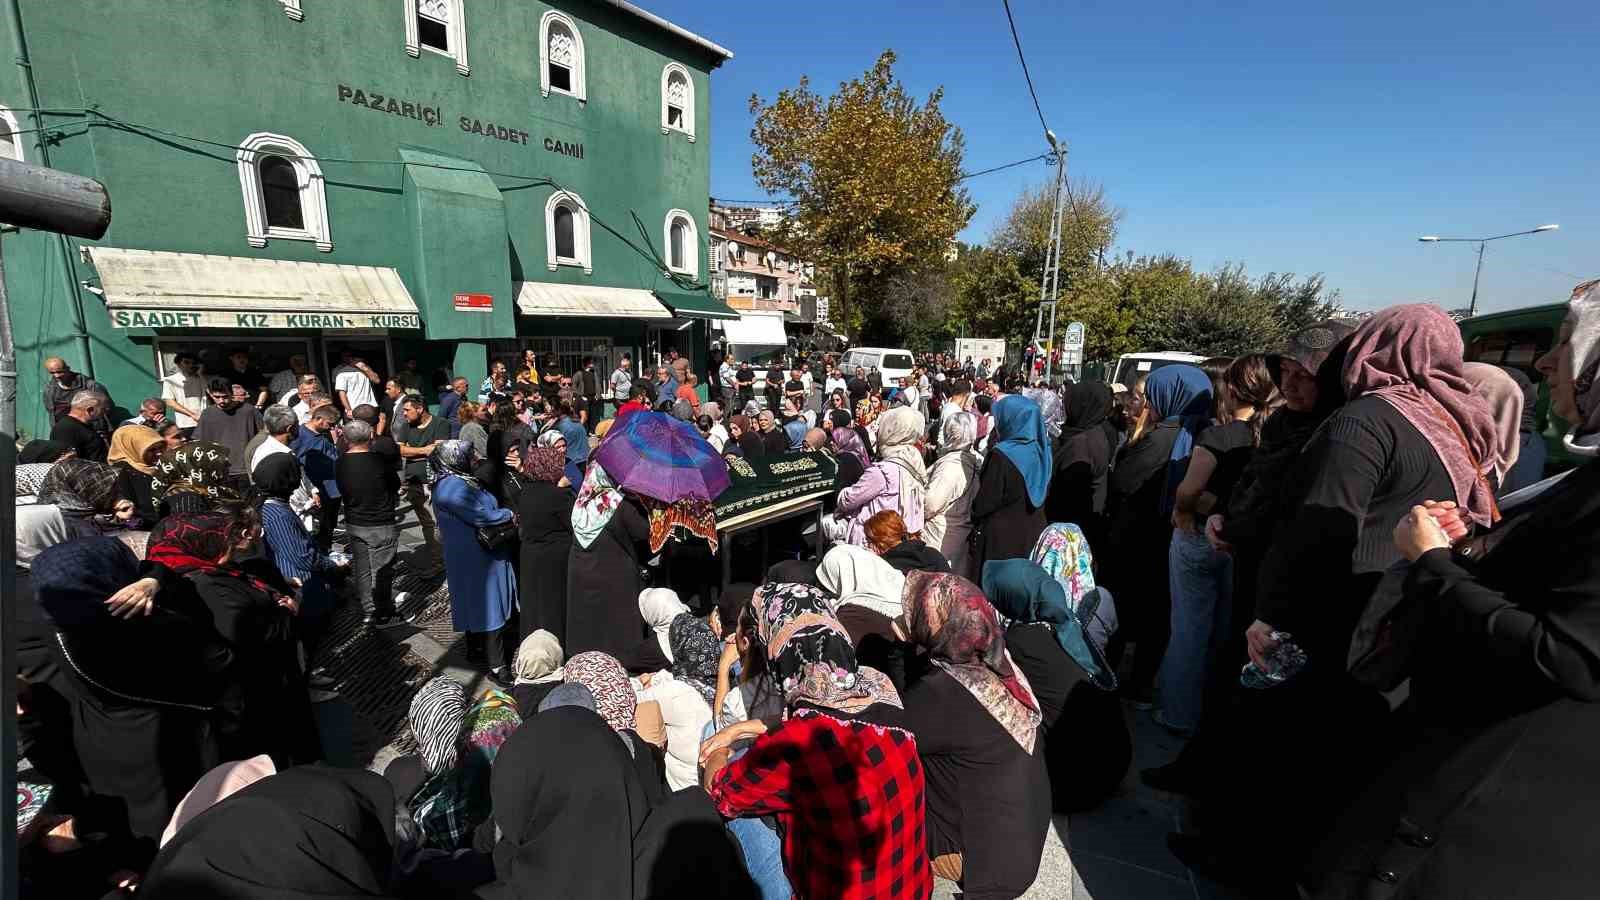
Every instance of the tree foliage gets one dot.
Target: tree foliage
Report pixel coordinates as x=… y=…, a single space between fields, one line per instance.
x=874 y=175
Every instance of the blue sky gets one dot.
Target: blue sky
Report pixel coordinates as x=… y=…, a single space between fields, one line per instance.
x=1298 y=136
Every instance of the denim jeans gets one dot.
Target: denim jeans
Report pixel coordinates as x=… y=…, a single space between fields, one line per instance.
x=1202 y=599
x=762 y=850
x=372 y=549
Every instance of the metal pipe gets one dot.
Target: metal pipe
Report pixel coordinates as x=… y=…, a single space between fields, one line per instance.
x=9 y=857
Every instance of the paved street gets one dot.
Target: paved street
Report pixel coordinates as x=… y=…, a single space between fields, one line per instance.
x=1117 y=852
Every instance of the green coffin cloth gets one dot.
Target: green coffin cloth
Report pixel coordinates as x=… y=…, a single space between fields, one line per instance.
x=695 y=305
x=769 y=480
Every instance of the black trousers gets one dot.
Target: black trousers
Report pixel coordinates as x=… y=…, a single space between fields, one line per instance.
x=492 y=647
x=327 y=518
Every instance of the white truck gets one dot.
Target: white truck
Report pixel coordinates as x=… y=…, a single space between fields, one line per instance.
x=979 y=349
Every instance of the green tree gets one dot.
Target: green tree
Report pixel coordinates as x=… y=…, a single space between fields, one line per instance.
x=873 y=173
x=992 y=297
x=1088 y=228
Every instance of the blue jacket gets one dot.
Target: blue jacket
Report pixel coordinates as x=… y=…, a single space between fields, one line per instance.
x=318 y=457
x=667 y=390
x=449 y=402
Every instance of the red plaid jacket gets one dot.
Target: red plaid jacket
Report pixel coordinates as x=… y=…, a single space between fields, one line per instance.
x=849 y=795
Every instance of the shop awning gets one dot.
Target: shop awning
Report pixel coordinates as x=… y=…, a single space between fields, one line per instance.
x=161 y=289
x=696 y=305
x=756 y=330
x=539 y=298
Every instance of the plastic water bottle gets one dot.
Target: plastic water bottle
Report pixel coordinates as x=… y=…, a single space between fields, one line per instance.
x=1283 y=661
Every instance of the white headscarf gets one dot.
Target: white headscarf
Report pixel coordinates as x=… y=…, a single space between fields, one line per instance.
x=39 y=527
x=538 y=659
x=659 y=606
x=858 y=576
x=899 y=429
x=1584 y=315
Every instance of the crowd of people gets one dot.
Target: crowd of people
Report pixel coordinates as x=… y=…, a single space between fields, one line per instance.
x=1320 y=565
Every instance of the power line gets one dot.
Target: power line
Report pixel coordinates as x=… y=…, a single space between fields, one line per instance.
x=774 y=201
x=1001 y=168
x=1022 y=59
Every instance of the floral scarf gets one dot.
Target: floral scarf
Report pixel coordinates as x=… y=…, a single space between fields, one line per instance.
x=201 y=469
x=812 y=659
x=605 y=678
x=692 y=514
x=456 y=458
x=545 y=464
x=949 y=617
x=695 y=654
x=450 y=805
x=598 y=500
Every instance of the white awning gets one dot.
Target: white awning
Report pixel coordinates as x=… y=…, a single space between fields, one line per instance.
x=161 y=289
x=540 y=298
x=756 y=330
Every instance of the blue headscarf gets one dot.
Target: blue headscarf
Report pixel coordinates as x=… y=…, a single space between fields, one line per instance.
x=1022 y=591
x=1180 y=393
x=1019 y=434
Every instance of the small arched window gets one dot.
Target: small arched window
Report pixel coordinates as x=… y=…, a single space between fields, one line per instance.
x=283 y=192
x=566 y=227
x=677 y=100
x=683 y=243
x=10 y=140
x=561 y=63
x=439 y=26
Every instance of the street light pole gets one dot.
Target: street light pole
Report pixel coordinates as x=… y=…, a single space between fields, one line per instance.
x=1472 y=307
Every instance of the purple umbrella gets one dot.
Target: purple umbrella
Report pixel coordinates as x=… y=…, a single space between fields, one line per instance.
x=658 y=456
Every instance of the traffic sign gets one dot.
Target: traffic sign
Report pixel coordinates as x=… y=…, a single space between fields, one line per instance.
x=1074 y=336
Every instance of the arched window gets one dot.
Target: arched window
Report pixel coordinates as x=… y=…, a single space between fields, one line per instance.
x=677 y=100
x=682 y=242
x=566 y=228
x=283 y=192
x=440 y=26
x=10 y=141
x=561 y=65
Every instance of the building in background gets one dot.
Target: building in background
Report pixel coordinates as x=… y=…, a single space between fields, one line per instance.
x=431 y=179
x=770 y=287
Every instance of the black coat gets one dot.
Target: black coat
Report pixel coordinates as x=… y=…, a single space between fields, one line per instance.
x=1087 y=747
x=544 y=513
x=1495 y=793
x=603 y=586
x=1005 y=521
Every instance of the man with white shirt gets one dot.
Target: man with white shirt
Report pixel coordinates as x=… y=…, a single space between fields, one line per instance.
x=299 y=402
x=621 y=382
x=353 y=381
x=279 y=425
x=184 y=391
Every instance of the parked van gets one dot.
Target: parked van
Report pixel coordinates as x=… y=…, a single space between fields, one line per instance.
x=1517 y=338
x=892 y=363
x=1131 y=365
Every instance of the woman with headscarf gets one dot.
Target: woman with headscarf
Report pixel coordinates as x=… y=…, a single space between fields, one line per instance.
x=684 y=706
x=611 y=535
x=33 y=463
x=214 y=787
x=616 y=702
x=457 y=741
x=253 y=608
x=1082 y=460
x=952 y=484
x=483 y=587
x=1501 y=393
x=742 y=442
x=888 y=537
x=869 y=593
x=718 y=436
x=544 y=519
x=1529 y=467
x=977 y=725
x=1140 y=496
x=1087 y=746
x=1412 y=431
x=193 y=478
x=898 y=481
x=332 y=834
x=856 y=828
x=134 y=452
x=659 y=608
x=1008 y=510
x=572 y=470
x=1489 y=797
x=537 y=669
x=145 y=691
x=87 y=494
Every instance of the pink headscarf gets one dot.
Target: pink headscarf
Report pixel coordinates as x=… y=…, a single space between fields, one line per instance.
x=1504 y=396
x=216 y=786
x=1410 y=356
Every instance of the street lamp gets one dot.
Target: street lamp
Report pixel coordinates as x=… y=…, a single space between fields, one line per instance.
x=1472 y=308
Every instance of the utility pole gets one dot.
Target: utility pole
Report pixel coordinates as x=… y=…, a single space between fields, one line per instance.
x=1049 y=279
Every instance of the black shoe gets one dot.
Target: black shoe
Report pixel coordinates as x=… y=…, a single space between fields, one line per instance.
x=381 y=623
x=319 y=680
x=500 y=679
x=1172 y=778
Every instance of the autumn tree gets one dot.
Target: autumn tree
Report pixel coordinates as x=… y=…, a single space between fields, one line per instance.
x=874 y=176
x=1088 y=228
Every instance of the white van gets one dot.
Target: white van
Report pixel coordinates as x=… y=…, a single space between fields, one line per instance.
x=1131 y=365
x=892 y=363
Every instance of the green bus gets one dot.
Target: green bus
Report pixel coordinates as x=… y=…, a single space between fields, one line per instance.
x=1517 y=338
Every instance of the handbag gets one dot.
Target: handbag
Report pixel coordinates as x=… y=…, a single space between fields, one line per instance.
x=498 y=536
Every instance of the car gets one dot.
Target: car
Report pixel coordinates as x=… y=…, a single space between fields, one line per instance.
x=1517 y=338
x=894 y=363
x=1131 y=365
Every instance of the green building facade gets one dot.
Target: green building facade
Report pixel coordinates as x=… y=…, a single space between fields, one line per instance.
x=450 y=181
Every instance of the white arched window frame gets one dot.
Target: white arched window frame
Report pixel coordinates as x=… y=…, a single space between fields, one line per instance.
x=567 y=50
x=308 y=177
x=291 y=8
x=580 y=232
x=690 y=258
x=452 y=14
x=12 y=148
x=677 y=91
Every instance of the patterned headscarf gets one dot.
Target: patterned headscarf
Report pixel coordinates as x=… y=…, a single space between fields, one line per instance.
x=1584 y=348
x=194 y=542
x=456 y=458
x=545 y=464
x=608 y=682
x=598 y=500
x=200 y=468
x=810 y=654
x=438 y=716
x=865 y=414
x=80 y=487
x=949 y=616
x=695 y=654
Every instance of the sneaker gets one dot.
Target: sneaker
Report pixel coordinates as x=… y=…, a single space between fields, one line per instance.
x=500 y=678
x=1160 y=717
x=320 y=680
x=380 y=623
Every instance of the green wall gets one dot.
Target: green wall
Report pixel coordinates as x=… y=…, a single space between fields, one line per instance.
x=222 y=69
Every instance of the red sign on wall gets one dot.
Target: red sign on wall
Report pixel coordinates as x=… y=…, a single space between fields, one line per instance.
x=475 y=302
